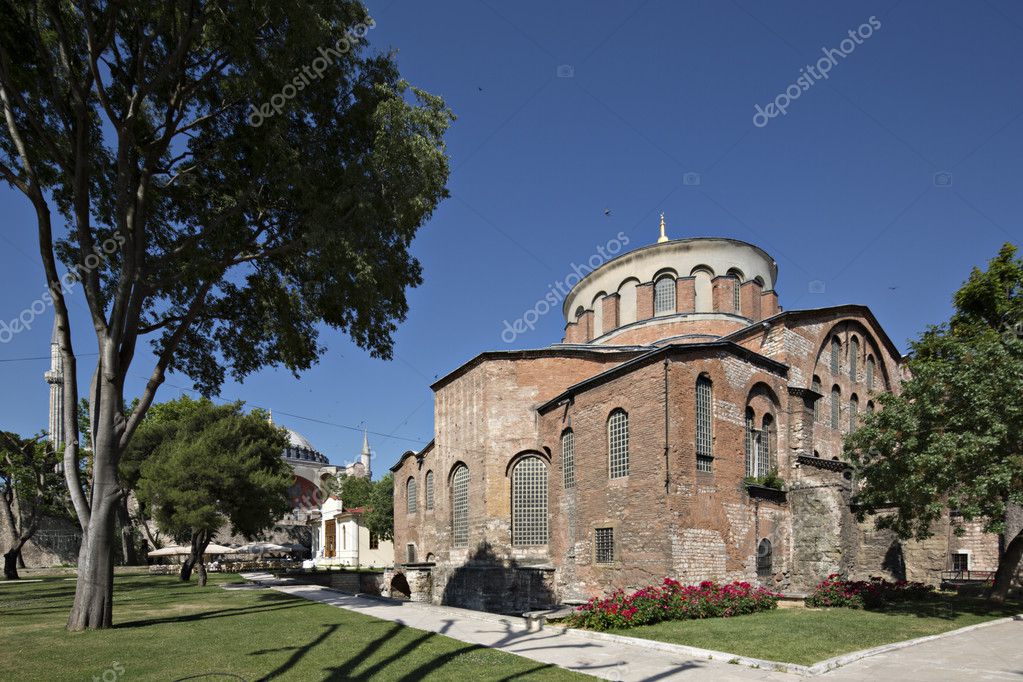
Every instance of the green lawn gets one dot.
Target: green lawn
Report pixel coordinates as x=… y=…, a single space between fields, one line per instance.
x=167 y=630
x=806 y=636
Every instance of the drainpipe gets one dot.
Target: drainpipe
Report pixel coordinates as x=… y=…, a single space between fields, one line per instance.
x=667 y=479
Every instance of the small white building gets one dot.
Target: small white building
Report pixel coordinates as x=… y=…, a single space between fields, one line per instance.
x=341 y=539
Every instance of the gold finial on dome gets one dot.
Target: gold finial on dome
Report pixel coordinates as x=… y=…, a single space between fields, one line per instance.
x=663 y=237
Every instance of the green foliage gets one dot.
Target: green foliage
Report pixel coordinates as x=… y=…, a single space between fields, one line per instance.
x=29 y=482
x=954 y=437
x=206 y=465
x=376 y=497
x=769 y=480
x=835 y=591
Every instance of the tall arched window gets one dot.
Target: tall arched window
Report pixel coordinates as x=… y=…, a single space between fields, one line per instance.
x=410 y=495
x=751 y=434
x=765 y=453
x=765 y=559
x=460 y=506
x=736 y=284
x=429 y=490
x=704 y=424
x=854 y=409
x=529 y=502
x=568 y=458
x=836 y=354
x=854 y=357
x=618 y=444
x=815 y=386
x=664 y=295
x=870 y=373
x=836 y=408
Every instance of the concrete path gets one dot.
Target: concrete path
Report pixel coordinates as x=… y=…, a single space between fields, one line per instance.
x=990 y=653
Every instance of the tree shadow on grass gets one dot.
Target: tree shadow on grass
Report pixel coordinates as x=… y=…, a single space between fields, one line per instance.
x=219 y=613
x=948 y=608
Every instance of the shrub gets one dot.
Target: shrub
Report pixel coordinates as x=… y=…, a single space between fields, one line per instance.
x=769 y=480
x=834 y=591
x=672 y=600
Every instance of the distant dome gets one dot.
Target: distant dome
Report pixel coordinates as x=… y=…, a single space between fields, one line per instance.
x=300 y=449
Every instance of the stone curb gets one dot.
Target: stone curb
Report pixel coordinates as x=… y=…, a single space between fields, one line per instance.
x=814 y=670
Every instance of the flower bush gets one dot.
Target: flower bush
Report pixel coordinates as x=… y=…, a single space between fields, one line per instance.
x=671 y=600
x=834 y=591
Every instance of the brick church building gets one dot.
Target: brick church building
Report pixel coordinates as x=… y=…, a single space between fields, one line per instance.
x=686 y=426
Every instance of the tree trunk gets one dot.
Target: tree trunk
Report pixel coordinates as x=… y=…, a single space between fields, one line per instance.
x=1007 y=565
x=186 y=569
x=202 y=572
x=94 y=590
x=127 y=539
x=11 y=564
x=197 y=559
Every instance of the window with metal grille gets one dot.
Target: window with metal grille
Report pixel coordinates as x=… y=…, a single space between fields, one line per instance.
x=751 y=462
x=765 y=559
x=529 y=502
x=460 y=506
x=766 y=450
x=836 y=408
x=704 y=424
x=618 y=444
x=854 y=357
x=410 y=553
x=736 y=297
x=410 y=495
x=816 y=388
x=604 y=545
x=568 y=458
x=960 y=562
x=836 y=352
x=374 y=540
x=429 y=490
x=854 y=409
x=664 y=295
x=870 y=373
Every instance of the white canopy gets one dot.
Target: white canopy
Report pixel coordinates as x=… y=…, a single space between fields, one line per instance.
x=262 y=548
x=179 y=550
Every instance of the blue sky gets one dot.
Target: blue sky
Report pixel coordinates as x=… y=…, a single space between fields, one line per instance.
x=841 y=189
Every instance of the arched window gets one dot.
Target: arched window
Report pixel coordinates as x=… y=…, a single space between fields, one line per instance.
x=765 y=453
x=815 y=386
x=598 y=314
x=529 y=502
x=568 y=458
x=460 y=506
x=751 y=434
x=870 y=372
x=579 y=312
x=410 y=495
x=854 y=357
x=704 y=424
x=765 y=559
x=736 y=284
x=429 y=490
x=836 y=353
x=854 y=409
x=664 y=295
x=836 y=408
x=618 y=444
x=870 y=407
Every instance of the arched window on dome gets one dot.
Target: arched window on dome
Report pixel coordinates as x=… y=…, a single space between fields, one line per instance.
x=598 y=314
x=579 y=312
x=703 y=287
x=664 y=295
x=460 y=506
x=429 y=490
x=410 y=495
x=618 y=444
x=736 y=293
x=836 y=407
x=854 y=357
x=529 y=502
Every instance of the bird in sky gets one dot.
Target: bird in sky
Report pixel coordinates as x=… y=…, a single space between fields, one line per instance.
x=607 y=212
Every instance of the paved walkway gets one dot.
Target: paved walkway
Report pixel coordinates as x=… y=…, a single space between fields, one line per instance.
x=990 y=653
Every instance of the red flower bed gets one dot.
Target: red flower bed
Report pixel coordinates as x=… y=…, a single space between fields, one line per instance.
x=672 y=600
x=833 y=591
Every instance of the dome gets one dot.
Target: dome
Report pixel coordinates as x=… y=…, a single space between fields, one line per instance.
x=299 y=448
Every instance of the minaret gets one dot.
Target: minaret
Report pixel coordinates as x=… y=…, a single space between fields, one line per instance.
x=55 y=378
x=663 y=237
x=364 y=456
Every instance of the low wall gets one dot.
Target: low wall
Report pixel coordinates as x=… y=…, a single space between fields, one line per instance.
x=364 y=582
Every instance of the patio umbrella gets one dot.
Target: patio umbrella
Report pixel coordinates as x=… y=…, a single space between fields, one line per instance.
x=180 y=550
x=261 y=548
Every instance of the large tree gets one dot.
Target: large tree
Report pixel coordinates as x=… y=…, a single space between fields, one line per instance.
x=29 y=490
x=226 y=179
x=205 y=466
x=953 y=438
